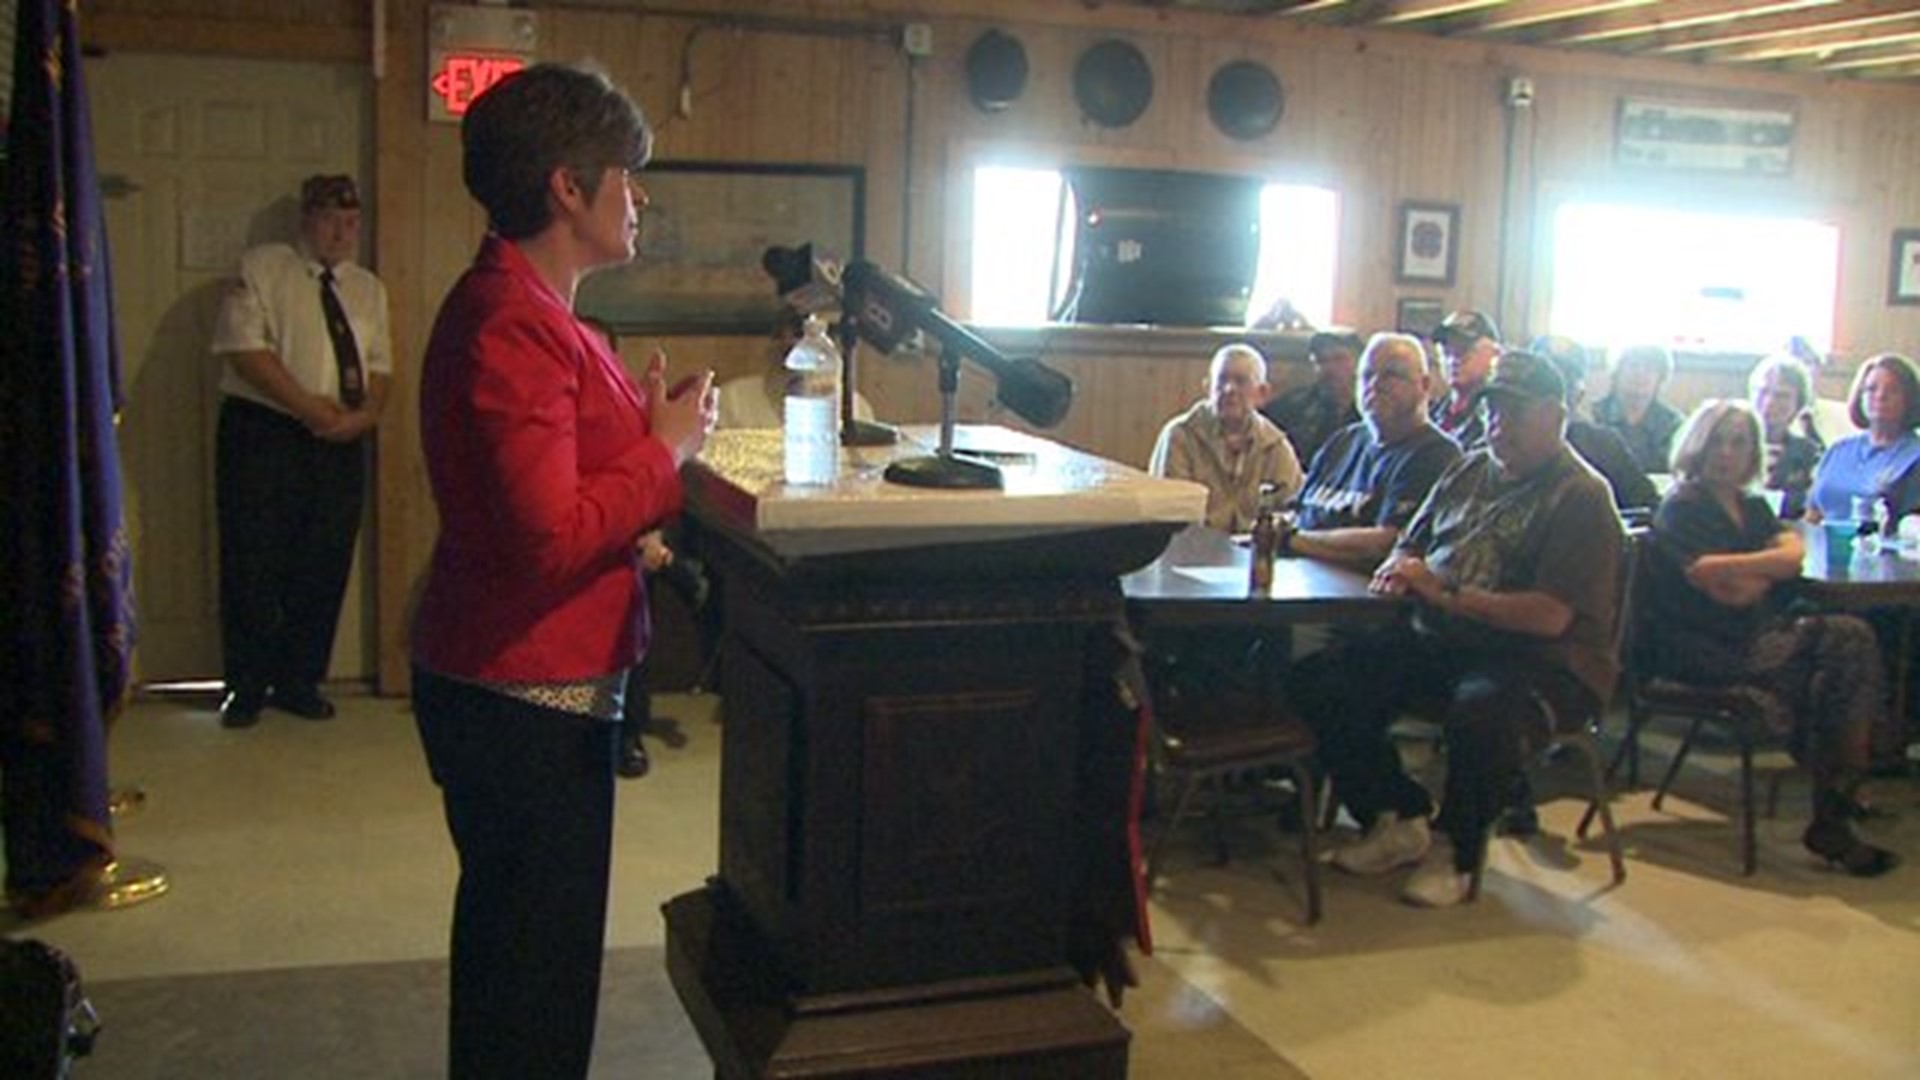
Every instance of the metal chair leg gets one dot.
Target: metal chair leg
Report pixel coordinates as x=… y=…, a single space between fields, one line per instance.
x=1599 y=799
x=1167 y=830
x=1749 y=845
x=1679 y=759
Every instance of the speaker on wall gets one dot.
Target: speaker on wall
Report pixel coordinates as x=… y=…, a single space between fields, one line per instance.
x=1113 y=83
x=996 y=71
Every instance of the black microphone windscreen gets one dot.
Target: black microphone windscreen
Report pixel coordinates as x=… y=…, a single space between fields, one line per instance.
x=1036 y=393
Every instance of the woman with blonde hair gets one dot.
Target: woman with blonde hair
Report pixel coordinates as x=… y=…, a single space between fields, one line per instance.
x=1717 y=616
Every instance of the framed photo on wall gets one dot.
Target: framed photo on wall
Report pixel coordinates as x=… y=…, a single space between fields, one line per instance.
x=1418 y=316
x=1903 y=276
x=1429 y=248
x=701 y=238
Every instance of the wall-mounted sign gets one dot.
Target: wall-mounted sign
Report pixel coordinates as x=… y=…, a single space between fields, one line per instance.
x=1707 y=138
x=471 y=48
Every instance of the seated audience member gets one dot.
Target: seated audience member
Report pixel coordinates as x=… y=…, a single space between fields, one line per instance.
x=1468 y=341
x=1310 y=414
x=1223 y=442
x=759 y=401
x=1601 y=447
x=1633 y=407
x=1512 y=568
x=1781 y=390
x=1715 y=617
x=1371 y=476
x=1878 y=463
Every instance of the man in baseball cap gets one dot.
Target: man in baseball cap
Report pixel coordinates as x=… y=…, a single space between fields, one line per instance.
x=1512 y=568
x=1468 y=341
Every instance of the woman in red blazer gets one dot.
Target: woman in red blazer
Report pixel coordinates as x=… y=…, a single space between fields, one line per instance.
x=547 y=464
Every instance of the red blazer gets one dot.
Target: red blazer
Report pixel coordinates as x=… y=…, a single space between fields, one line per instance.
x=545 y=474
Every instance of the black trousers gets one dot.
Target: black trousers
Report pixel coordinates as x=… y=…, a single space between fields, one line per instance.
x=289 y=509
x=1489 y=703
x=529 y=801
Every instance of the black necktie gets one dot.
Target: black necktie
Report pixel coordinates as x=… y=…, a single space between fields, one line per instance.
x=353 y=387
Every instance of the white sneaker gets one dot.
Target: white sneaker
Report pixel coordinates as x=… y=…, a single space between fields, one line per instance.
x=1437 y=883
x=1390 y=844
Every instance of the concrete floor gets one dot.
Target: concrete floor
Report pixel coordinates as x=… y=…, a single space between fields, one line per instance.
x=298 y=844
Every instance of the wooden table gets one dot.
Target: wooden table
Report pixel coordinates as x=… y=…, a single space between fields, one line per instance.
x=1880 y=579
x=1201 y=580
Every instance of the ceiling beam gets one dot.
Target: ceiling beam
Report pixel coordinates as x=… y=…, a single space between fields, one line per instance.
x=1660 y=19
x=1820 y=43
x=1908 y=52
x=1527 y=14
x=1855 y=13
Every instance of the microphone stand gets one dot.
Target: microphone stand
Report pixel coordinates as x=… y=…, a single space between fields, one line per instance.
x=853 y=430
x=946 y=469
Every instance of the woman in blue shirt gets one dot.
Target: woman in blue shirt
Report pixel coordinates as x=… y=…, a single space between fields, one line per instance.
x=1879 y=463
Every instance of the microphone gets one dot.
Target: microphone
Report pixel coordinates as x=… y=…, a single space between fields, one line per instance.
x=889 y=308
x=806 y=283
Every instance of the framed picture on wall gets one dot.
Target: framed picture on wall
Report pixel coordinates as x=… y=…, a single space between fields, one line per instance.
x=1428 y=248
x=1418 y=316
x=702 y=235
x=1903 y=277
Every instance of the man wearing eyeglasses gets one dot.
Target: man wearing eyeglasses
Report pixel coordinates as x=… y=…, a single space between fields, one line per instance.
x=304 y=342
x=1370 y=477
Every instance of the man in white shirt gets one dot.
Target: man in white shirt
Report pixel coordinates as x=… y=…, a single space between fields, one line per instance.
x=1224 y=443
x=304 y=340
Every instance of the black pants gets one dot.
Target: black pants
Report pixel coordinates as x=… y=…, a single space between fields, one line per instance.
x=529 y=801
x=1490 y=706
x=289 y=508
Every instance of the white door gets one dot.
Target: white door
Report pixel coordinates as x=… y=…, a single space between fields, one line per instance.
x=201 y=157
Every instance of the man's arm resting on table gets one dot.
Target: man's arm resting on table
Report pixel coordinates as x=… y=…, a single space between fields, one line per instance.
x=1362 y=548
x=1534 y=613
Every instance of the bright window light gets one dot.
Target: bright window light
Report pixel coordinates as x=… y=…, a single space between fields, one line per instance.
x=1299 y=249
x=1016 y=240
x=1693 y=282
x=1015 y=214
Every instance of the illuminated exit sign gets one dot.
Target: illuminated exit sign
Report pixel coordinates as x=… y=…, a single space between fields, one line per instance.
x=471 y=48
x=458 y=78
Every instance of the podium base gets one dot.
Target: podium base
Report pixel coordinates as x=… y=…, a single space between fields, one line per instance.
x=1038 y=1026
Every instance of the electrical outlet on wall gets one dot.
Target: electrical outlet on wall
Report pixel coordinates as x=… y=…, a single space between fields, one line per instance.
x=917 y=39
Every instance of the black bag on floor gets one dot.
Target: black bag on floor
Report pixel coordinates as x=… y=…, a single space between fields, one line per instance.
x=45 y=1018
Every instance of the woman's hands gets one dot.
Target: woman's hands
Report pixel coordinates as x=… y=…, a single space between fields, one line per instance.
x=683 y=417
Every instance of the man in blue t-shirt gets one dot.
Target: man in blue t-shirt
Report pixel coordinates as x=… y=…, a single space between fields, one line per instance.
x=1370 y=477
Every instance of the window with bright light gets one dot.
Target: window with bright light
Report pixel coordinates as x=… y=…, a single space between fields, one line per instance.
x=1693 y=282
x=1021 y=254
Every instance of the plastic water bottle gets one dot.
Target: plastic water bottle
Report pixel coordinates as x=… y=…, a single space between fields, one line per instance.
x=813 y=407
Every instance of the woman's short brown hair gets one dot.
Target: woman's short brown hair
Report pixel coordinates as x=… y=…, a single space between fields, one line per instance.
x=546 y=117
x=1903 y=373
x=1690 y=446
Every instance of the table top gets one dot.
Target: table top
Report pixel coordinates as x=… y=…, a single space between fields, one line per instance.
x=1051 y=490
x=1202 y=577
x=1863 y=579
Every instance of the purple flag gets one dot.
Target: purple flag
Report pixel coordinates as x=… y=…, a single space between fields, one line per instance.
x=67 y=601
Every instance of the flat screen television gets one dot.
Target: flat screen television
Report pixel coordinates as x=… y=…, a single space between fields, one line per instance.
x=1159 y=247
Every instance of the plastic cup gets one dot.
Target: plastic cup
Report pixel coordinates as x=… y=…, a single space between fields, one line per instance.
x=1840 y=537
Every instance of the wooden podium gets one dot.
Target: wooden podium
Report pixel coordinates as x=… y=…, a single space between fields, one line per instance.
x=904 y=677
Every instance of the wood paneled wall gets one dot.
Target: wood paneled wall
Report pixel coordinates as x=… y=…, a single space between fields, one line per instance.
x=1378 y=116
